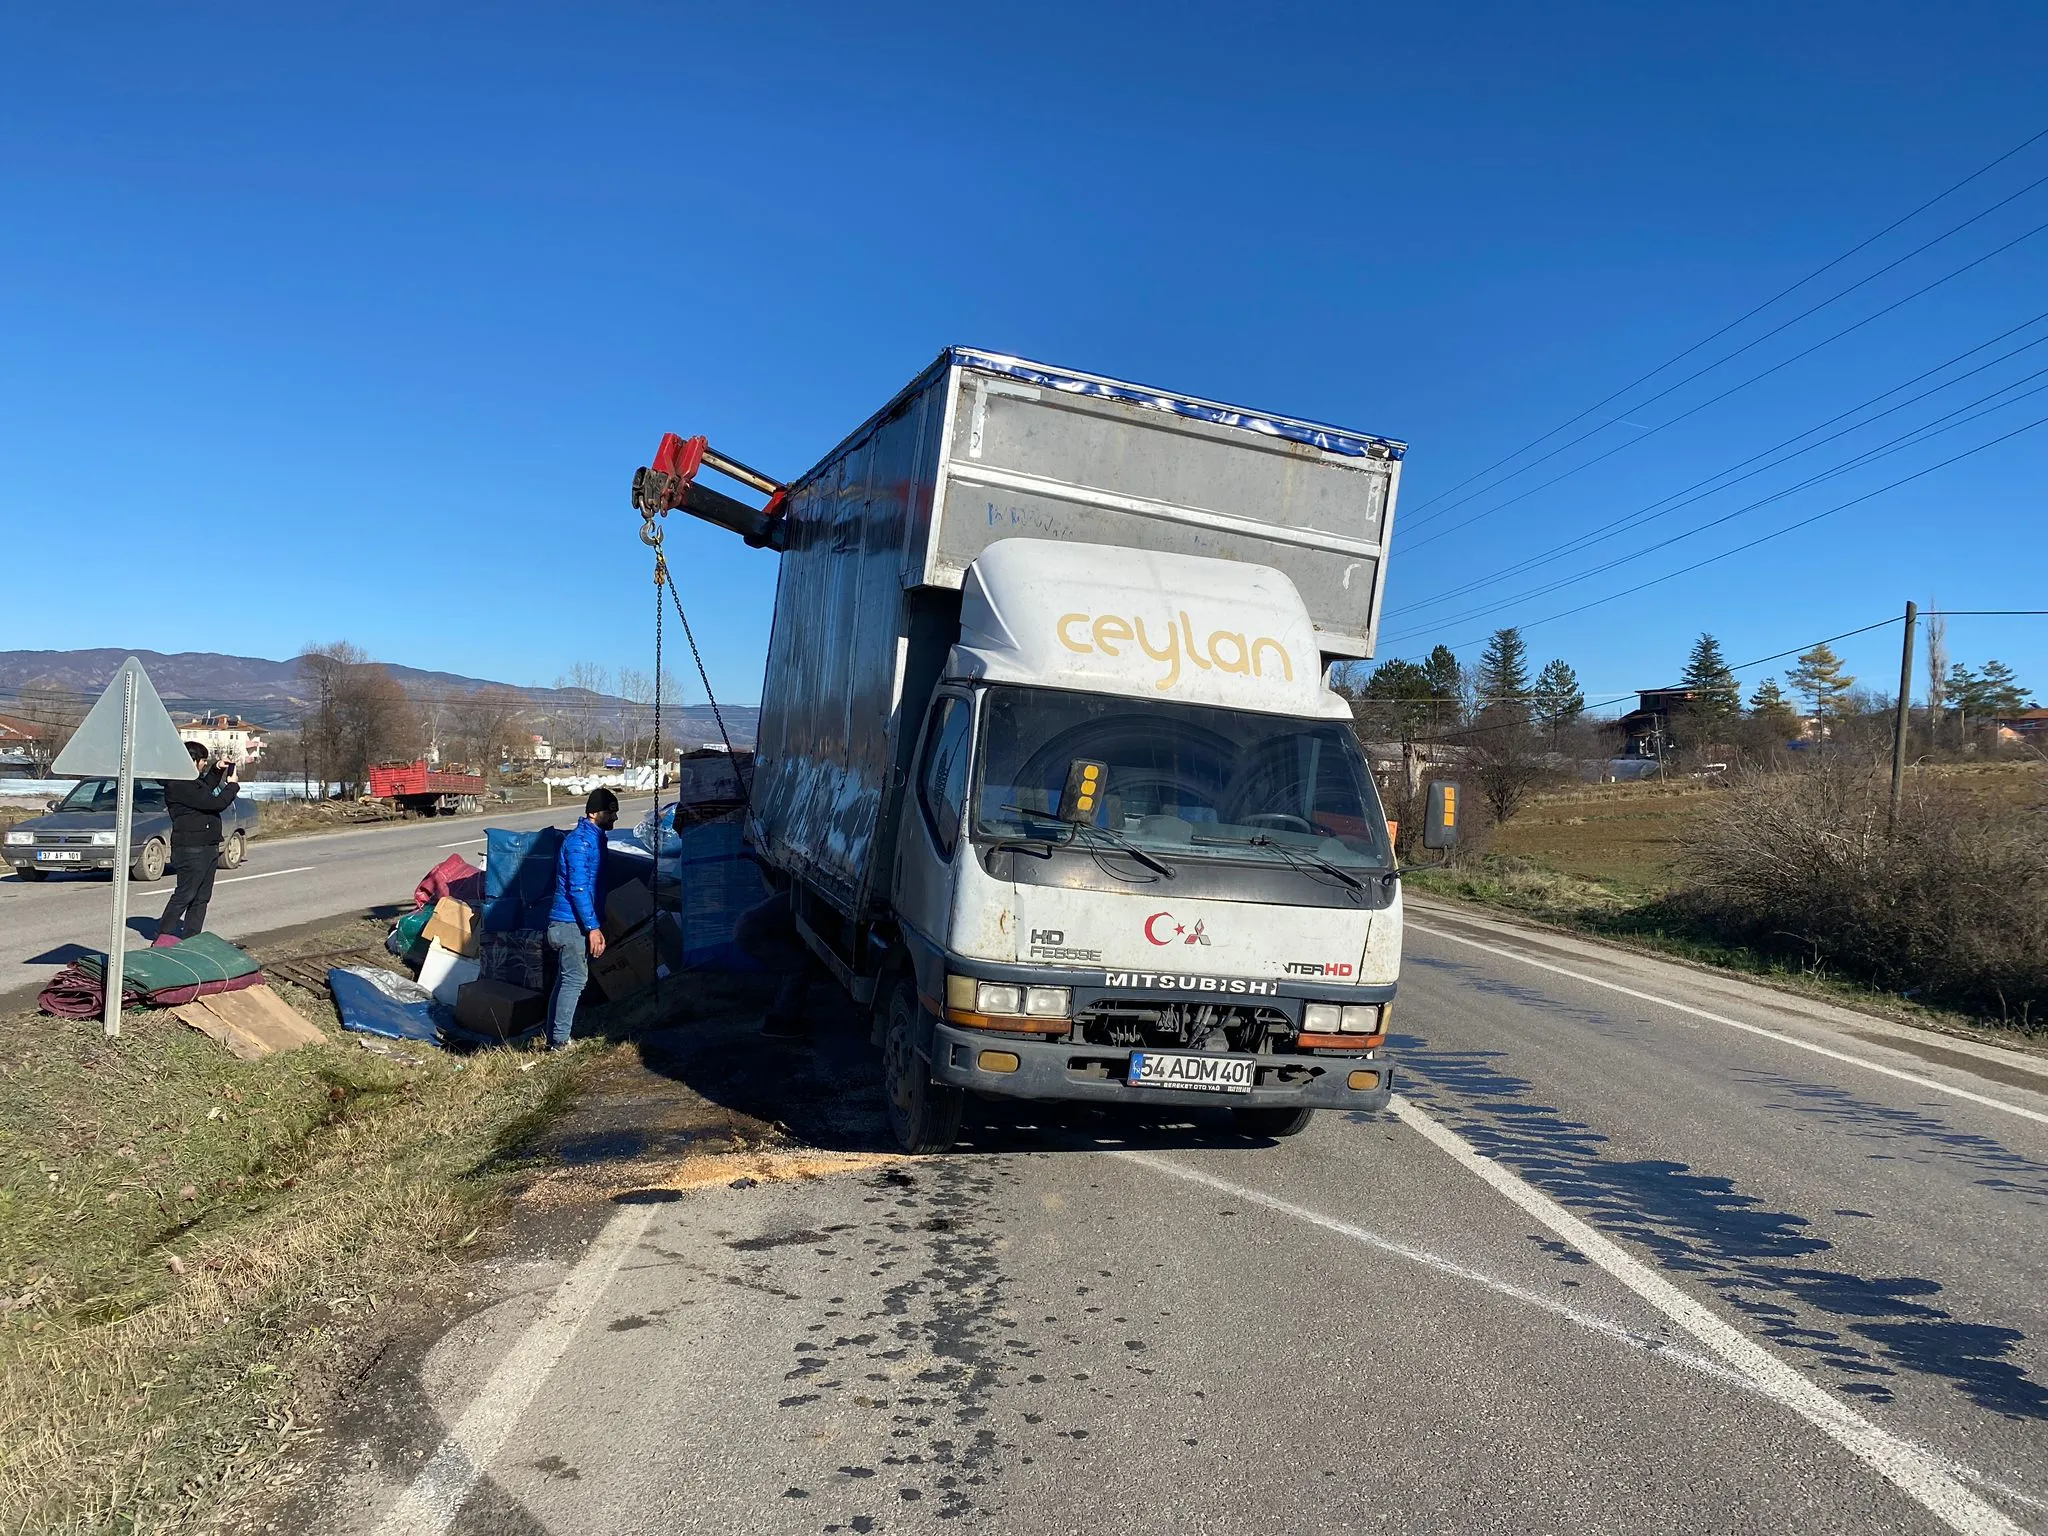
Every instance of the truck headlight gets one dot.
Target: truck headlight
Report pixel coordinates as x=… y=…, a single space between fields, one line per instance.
x=1321 y=1019
x=1361 y=1019
x=998 y=997
x=1048 y=1002
x=103 y=839
x=20 y=839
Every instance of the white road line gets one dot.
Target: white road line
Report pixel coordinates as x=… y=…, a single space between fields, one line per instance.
x=1914 y=1078
x=1916 y=1472
x=268 y=874
x=1607 y=1327
x=463 y=844
x=429 y=1505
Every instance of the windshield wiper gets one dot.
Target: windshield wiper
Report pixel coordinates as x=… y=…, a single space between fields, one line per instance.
x=1286 y=851
x=1116 y=839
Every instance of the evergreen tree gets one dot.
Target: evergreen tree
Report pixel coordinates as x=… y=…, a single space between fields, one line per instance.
x=1446 y=687
x=1401 y=690
x=1558 y=698
x=1999 y=690
x=1716 y=696
x=1820 y=677
x=1503 y=676
x=1769 y=706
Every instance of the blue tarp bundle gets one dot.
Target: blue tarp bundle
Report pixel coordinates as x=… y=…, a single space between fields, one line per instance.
x=519 y=877
x=383 y=1003
x=718 y=884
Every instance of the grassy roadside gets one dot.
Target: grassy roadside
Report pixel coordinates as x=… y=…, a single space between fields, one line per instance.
x=1618 y=914
x=186 y=1240
x=1606 y=860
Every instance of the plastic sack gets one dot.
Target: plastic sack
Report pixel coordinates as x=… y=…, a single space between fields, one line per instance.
x=407 y=933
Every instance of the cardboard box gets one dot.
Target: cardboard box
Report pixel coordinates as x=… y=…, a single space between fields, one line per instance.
x=498 y=1009
x=626 y=967
x=454 y=927
x=626 y=908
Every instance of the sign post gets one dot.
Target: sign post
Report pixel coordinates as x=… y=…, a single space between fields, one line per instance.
x=128 y=732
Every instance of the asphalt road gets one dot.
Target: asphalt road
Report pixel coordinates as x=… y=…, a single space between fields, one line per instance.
x=293 y=880
x=1671 y=1253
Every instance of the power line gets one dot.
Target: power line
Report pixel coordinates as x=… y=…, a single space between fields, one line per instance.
x=1781 y=532
x=1706 y=487
x=1715 y=399
x=1739 y=319
x=1924 y=433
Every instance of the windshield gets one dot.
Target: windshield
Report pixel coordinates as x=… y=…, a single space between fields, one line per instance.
x=1183 y=779
x=102 y=795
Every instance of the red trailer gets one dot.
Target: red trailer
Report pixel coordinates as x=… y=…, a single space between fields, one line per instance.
x=426 y=791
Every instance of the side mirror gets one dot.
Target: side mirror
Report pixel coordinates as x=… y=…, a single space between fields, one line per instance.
x=49 y=807
x=1083 y=793
x=1440 y=825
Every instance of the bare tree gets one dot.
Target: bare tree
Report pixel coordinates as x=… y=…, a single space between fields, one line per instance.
x=359 y=714
x=55 y=713
x=1508 y=767
x=488 y=726
x=1937 y=673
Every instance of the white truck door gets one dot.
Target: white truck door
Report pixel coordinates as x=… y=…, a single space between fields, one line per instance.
x=933 y=828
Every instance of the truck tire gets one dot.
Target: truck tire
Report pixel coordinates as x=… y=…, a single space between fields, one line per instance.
x=924 y=1116
x=1272 y=1122
x=31 y=874
x=233 y=851
x=150 y=864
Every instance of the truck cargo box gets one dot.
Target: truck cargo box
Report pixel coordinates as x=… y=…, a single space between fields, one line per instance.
x=979 y=448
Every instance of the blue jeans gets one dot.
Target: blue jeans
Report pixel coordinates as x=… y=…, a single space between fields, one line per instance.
x=572 y=974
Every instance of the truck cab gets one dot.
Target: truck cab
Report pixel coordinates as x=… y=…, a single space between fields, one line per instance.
x=1141 y=858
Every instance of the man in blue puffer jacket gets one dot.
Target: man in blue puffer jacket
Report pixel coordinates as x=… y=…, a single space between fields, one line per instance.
x=573 y=931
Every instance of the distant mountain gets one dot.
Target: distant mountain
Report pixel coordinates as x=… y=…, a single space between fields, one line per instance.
x=274 y=692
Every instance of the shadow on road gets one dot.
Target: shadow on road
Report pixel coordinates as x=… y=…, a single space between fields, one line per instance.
x=824 y=1089
x=1762 y=1262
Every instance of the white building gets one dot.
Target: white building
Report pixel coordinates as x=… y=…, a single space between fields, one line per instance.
x=227 y=737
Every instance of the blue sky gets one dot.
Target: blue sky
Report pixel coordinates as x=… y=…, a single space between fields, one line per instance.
x=355 y=325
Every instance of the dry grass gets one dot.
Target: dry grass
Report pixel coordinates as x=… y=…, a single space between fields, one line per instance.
x=1624 y=836
x=1625 y=861
x=184 y=1236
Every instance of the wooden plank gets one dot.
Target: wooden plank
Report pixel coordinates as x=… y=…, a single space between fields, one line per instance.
x=207 y=1022
x=260 y=1014
x=252 y=1023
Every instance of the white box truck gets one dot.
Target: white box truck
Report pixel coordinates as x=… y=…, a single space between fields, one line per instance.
x=1048 y=756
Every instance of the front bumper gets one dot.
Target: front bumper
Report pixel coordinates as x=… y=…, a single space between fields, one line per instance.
x=1052 y=1069
x=91 y=858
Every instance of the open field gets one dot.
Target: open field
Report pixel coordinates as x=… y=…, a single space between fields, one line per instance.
x=1608 y=858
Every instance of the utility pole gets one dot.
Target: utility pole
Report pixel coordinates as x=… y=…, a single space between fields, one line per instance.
x=1900 y=719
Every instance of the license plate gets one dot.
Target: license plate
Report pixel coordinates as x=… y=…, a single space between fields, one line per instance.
x=49 y=856
x=1202 y=1074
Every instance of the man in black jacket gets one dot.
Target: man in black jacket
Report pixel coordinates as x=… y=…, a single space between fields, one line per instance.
x=195 y=806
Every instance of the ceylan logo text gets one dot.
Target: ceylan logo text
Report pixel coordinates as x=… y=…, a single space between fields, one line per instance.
x=1225 y=650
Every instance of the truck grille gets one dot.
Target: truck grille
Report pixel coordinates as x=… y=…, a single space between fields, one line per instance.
x=1197 y=1026
x=63 y=839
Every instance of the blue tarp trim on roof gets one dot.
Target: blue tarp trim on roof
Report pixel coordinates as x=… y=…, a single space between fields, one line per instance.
x=1316 y=435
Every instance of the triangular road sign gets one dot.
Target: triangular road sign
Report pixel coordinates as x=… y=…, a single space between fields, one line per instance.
x=95 y=747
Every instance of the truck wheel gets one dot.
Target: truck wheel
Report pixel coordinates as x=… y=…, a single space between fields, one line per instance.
x=151 y=863
x=31 y=874
x=1272 y=1122
x=923 y=1115
x=233 y=851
